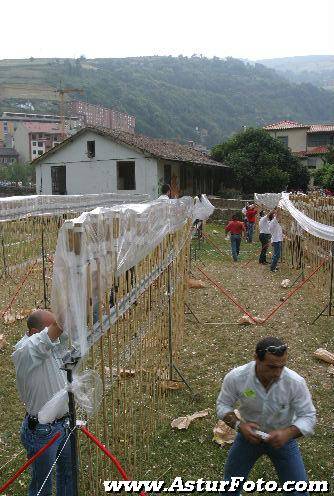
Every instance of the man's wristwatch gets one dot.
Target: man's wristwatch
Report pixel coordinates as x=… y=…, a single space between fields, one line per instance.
x=237 y=425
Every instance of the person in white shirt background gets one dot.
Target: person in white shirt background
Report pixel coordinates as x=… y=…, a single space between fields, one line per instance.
x=38 y=378
x=276 y=232
x=165 y=192
x=264 y=236
x=274 y=400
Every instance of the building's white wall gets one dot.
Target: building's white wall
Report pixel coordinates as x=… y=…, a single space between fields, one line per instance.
x=99 y=174
x=21 y=143
x=296 y=138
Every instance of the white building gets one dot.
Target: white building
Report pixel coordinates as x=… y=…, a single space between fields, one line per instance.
x=97 y=160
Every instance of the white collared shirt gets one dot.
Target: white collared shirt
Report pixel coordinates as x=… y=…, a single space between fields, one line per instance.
x=264 y=225
x=275 y=231
x=38 y=374
x=163 y=197
x=287 y=402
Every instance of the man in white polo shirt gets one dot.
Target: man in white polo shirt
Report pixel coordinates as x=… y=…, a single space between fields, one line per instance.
x=276 y=408
x=264 y=236
x=38 y=378
x=276 y=232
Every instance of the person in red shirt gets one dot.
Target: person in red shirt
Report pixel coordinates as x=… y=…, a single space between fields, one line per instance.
x=235 y=227
x=251 y=218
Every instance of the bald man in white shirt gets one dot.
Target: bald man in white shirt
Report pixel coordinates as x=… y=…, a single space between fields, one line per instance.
x=276 y=408
x=38 y=378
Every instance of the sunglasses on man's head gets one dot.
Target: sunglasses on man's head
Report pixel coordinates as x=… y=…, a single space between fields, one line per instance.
x=277 y=350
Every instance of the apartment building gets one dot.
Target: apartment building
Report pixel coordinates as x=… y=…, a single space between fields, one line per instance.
x=32 y=139
x=10 y=120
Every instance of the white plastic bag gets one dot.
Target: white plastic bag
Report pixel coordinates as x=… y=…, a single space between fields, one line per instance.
x=203 y=208
x=55 y=408
x=87 y=389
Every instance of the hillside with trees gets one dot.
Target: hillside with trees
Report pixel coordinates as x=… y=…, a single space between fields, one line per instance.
x=314 y=69
x=200 y=99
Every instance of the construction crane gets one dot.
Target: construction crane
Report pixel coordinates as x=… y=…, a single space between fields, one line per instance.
x=21 y=88
x=62 y=92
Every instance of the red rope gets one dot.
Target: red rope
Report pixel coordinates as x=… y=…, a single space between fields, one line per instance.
x=19 y=287
x=274 y=310
x=213 y=244
x=29 y=462
x=109 y=455
x=223 y=290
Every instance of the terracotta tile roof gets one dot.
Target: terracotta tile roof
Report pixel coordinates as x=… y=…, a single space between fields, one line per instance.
x=317 y=150
x=42 y=127
x=312 y=128
x=285 y=125
x=159 y=148
x=321 y=128
x=168 y=150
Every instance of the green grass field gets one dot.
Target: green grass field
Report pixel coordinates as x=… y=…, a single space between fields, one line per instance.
x=210 y=350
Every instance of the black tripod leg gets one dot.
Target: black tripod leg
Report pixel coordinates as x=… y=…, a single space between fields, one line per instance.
x=184 y=380
x=320 y=314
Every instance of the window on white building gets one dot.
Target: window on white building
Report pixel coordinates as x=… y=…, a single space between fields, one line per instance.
x=90 y=149
x=284 y=140
x=126 y=175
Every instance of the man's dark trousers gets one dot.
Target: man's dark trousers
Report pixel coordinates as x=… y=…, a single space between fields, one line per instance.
x=265 y=241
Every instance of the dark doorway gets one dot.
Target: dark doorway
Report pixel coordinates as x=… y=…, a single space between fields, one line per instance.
x=58 y=179
x=167 y=174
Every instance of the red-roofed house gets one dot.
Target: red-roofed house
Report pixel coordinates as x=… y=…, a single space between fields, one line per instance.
x=309 y=142
x=32 y=139
x=99 y=160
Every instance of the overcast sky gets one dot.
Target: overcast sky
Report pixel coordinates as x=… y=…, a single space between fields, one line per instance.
x=251 y=29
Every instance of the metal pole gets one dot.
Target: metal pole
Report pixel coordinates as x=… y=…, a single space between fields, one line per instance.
x=170 y=324
x=71 y=405
x=330 y=303
x=44 y=269
x=4 y=255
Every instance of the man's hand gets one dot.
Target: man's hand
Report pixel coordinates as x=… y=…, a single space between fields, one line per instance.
x=54 y=331
x=247 y=430
x=279 y=437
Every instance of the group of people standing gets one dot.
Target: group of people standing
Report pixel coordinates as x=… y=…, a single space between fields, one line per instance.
x=270 y=232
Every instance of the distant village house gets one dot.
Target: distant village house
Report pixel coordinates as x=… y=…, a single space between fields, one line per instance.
x=309 y=142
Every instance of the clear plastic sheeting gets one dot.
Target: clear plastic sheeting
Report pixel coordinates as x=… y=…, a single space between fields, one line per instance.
x=282 y=200
x=313 y=227
x=94 y=249
x=19 y=207
x=87 y=389
x=269 y=200
x=203 y=208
